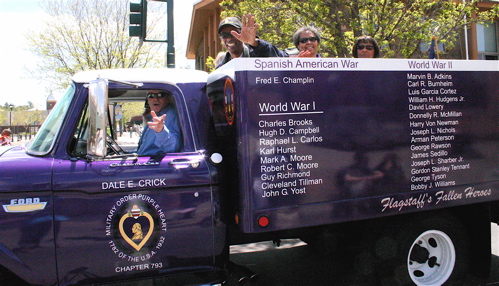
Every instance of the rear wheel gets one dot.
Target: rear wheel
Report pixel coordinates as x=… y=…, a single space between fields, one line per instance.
x=431 y=258
x=425 y=250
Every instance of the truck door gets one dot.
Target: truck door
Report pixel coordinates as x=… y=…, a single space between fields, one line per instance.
x=130 y=215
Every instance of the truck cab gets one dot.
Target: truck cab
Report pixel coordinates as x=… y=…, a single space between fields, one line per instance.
x=79 y=205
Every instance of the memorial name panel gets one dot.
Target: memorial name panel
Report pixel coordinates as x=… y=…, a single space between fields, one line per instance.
x=434 y=118
x=285 y=168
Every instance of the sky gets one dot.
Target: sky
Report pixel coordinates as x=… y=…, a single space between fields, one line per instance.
x=17 y=17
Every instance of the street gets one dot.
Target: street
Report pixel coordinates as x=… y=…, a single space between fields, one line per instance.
x=295 y=263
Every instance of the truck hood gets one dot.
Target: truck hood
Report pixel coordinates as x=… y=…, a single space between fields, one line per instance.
x=21 y=171
x=4 y=149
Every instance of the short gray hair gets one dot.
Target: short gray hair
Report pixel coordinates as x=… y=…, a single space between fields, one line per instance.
x=296 y=36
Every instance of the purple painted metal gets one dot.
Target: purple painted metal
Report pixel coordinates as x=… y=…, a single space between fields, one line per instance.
x=84 y=227
x=316 y=147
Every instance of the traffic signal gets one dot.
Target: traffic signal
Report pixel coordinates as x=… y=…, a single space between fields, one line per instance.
x=138 y=19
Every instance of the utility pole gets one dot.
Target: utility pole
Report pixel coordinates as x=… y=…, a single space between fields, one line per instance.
x=138 y=27
x=170 y=49
x=10 y=116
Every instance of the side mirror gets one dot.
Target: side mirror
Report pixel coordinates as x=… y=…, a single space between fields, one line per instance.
x=97 y=107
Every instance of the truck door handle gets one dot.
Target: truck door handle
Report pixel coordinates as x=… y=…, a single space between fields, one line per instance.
x=185 y=163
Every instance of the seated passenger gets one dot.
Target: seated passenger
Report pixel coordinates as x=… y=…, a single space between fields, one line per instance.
x=162 y=133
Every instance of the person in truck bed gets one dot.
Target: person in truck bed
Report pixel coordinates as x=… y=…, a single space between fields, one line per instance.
x=240 y=40
x=365 y=47
x=306 y=40
x=162 y=132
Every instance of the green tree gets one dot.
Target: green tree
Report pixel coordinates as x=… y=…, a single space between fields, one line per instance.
x=86 y=35
x=400 y=26
x=4 y=117
x=21 y=115
x=131 y=109
x=26 y=118
x=7 y=105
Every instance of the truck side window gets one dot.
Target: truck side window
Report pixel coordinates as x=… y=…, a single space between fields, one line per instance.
x=116 y=139
x=78 y=143
x=161 y=133
x=126 y=128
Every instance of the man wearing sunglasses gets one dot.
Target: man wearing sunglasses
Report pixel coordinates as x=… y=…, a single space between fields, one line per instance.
x=365 y=47
x=240 y=40
x=162 y=132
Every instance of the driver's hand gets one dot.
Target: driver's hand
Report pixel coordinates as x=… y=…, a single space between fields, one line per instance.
x=158 y=123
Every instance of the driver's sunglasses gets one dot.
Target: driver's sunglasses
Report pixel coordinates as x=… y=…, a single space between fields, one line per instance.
x=368 y=47
x=157 y=95
x=226 y=35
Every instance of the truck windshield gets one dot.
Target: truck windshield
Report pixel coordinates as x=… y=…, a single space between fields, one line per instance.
x=44 y=139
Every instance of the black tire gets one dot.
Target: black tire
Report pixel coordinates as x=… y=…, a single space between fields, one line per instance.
x=429 y=249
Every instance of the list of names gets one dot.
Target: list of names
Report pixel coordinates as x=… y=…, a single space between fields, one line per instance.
x=434 y=119
x=285 y=168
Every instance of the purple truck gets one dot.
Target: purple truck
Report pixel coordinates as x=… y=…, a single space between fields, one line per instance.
x=394 y=159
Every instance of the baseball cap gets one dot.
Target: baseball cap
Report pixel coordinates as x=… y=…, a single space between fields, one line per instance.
x=232 y=21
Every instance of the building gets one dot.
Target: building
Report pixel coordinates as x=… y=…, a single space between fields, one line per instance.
x=484 y=40
x=51 y=101
x=203 y=42
x=203 y=39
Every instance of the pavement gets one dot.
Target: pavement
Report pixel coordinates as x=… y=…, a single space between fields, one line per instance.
x=294 y=263
x=17 y=143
